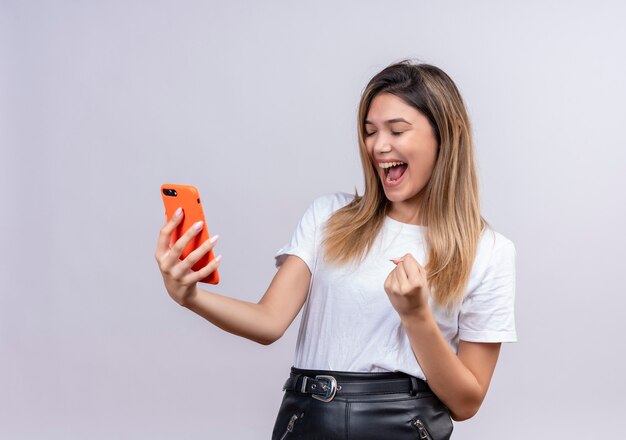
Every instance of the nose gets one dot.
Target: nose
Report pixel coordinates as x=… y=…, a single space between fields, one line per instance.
x=382 y=144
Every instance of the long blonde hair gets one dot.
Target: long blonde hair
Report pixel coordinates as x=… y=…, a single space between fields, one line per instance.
x=450 y=201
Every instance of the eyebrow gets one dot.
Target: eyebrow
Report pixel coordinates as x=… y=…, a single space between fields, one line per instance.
x=391 y=121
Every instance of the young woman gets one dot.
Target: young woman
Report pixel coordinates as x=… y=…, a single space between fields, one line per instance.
x=407 y=290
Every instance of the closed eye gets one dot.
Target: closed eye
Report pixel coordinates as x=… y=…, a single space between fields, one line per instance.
x=395 y=133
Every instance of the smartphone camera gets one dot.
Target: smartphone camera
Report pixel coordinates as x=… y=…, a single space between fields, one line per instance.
x=169 y=192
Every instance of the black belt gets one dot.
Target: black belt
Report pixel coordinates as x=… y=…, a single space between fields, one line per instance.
x=325 y=387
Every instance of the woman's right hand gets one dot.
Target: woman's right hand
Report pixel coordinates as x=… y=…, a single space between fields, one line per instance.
x=180 y=281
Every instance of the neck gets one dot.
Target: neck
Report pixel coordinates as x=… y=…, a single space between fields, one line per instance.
x=406 y=213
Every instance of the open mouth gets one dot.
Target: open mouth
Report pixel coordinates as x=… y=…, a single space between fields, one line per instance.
x=393 y=170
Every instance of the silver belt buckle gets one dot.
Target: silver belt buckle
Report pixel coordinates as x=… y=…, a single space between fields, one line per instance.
x=331 y=388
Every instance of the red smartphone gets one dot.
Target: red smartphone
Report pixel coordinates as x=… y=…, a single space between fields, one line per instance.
x=188 y=198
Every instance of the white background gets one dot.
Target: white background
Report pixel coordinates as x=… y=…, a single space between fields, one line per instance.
x=255 y=104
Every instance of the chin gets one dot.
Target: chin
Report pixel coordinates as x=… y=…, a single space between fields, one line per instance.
x=401 y=196
x=394 y=196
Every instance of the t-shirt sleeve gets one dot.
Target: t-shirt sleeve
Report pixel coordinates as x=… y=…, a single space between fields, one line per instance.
x=487 y=313
x=302 y=242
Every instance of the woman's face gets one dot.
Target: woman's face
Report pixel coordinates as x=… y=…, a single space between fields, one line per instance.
x=397 y=132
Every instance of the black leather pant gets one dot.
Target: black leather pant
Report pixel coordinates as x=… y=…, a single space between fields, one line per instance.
x=380 y=416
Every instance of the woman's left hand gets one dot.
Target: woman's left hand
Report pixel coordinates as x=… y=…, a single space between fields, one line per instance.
x=407 y=286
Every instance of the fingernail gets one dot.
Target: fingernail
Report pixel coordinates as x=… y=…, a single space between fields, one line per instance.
x=178 y=212
x=197 y=225
x=218 y=258
x=213 y=239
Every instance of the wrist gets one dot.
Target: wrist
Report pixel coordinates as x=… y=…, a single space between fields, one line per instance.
x=417 y=315
x=189 y=300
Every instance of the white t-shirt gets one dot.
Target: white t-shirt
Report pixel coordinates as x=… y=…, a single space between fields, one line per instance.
x=348 y=322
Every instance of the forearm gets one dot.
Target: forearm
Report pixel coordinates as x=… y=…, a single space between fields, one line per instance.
x=448 y=377
x=241 y=318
